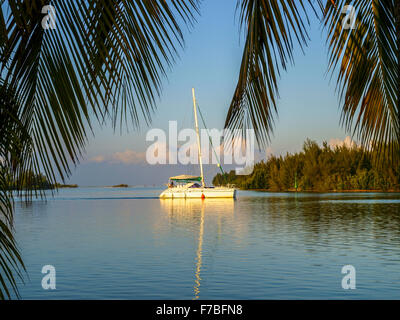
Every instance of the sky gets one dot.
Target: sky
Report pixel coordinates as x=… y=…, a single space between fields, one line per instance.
x=308 y=106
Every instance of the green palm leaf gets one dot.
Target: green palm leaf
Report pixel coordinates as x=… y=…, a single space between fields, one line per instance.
x=105 y=60
x=367 y=61
x=271 y=29
x=14 y=142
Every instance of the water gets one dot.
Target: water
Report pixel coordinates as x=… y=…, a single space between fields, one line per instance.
x=128 y=244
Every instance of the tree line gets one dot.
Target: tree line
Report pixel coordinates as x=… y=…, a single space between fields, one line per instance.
x=319 y=168
x=33 y=181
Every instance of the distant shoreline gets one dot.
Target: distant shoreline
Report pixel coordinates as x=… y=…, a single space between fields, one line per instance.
x=118 y=186
x=62 y=186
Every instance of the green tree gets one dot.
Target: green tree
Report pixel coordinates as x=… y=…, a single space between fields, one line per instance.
x=321 y=169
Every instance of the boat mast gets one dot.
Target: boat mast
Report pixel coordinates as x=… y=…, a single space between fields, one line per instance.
x=198 y=137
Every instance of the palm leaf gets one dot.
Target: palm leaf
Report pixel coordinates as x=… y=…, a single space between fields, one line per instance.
x=105 y=59
x=366 y=59
x=14 y=142
x=271 y=29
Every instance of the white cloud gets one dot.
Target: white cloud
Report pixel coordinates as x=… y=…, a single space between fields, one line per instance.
x=269 y=152
x=128 y=157
x=125 y=157
x=97 y=159
x=348 y=142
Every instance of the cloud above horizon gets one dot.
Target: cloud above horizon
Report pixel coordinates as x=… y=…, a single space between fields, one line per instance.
x=347 y=142
x=125 y=157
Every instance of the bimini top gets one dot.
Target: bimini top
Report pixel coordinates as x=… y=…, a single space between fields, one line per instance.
x=185 y=177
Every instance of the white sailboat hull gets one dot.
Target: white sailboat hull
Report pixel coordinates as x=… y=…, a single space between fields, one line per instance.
x=192 y=189
x=199 y=193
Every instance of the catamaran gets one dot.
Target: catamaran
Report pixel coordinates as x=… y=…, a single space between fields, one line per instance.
x=187 y=186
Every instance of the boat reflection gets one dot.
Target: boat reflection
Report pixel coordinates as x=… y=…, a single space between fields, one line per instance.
x=199 y=255
x=187 y=209
x=190 y=211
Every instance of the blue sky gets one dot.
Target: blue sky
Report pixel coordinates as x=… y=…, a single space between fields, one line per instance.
x=308 y=106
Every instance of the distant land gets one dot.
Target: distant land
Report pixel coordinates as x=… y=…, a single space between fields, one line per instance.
x=61 y=186
x=36 y=182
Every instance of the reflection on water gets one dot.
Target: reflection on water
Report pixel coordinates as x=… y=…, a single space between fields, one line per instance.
x=198 y=256
x=259 y=246
x=314 y=219
x=181 y=209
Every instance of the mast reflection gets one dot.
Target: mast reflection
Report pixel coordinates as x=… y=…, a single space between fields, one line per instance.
x=199 y=255
x=188 y=212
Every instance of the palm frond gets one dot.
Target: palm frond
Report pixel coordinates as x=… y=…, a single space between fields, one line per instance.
x=105 y=59
x=271 y=27
x=367 y=61
x=14 y=142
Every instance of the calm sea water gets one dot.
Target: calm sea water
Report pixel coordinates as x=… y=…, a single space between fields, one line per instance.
x=128 y=244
